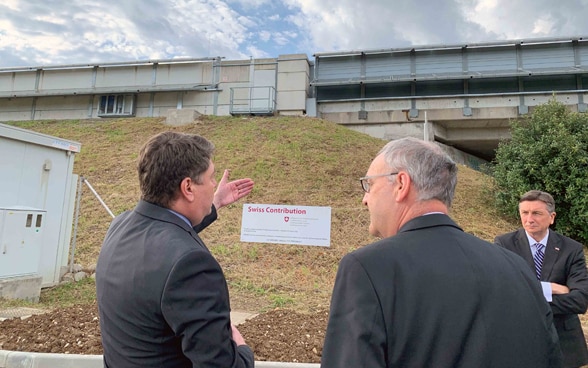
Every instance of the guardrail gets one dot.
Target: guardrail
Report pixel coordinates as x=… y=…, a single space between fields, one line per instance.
x=253 y=100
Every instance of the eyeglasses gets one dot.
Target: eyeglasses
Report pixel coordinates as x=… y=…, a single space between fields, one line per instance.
x=365 y=184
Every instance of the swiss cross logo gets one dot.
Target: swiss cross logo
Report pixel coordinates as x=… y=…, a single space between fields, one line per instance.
x=286 y=218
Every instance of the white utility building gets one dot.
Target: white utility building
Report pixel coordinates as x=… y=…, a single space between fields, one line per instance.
x=37 y=198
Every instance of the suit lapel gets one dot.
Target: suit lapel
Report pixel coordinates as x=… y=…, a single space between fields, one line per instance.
x=552 y=250
x=523 y=249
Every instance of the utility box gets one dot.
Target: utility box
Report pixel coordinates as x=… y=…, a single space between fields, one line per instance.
x=21 y=241
x=21 y=244
x=37 y=200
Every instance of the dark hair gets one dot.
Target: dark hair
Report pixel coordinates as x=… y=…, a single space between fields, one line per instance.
x=537 y=195
x=168 y=158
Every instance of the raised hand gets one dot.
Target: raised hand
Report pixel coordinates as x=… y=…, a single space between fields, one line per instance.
x=228 y=192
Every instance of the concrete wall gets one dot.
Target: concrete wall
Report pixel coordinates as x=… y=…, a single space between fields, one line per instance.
x=74 y=92
x=293 y=84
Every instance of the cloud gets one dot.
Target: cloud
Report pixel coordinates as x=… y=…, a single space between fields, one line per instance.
x=331 y=25
x=507 y=19
x=87 y=31
x=265 y=36
x=258 y=53
x=36 y=32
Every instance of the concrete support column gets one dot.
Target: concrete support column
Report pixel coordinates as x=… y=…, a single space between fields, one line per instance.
x=293 y=83
x=428 y=130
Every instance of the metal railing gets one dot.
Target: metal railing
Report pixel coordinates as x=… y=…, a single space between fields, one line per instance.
x=253 y=100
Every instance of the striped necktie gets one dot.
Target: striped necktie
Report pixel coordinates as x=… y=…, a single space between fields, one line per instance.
x=539 y=259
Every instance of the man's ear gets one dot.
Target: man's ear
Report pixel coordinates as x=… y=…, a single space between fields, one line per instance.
x=403 y=186
x=187 y=187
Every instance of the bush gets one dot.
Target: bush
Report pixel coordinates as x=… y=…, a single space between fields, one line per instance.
x=547 y=151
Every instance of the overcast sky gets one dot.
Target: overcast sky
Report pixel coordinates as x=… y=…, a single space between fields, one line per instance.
x=49 y=32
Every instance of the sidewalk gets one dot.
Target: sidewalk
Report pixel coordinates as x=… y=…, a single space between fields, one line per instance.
x=21 y=312
x=237 y=317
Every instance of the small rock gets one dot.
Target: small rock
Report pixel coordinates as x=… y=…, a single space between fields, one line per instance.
x=68 y=277
x=77 y=268
x=91 y=269
x=80 y=276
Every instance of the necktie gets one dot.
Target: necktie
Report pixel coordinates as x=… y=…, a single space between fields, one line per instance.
x=539 y=259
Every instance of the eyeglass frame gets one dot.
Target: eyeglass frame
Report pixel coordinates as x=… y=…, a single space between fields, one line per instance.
x=365 y=185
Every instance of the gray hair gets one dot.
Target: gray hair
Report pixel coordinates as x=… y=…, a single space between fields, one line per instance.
x=537 y=195
x=432 y=171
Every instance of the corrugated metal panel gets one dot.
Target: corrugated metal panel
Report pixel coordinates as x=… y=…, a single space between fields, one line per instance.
x=387 y=66
x=438 y=63
x=492 y=60
x=582 y=52
x=340 y=68
x=479 y=61
x=546 y=57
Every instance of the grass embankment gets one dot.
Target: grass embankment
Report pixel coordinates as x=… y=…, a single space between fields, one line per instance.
x=292 y=160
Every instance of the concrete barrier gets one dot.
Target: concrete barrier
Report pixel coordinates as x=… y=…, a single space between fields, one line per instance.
x=19 y=359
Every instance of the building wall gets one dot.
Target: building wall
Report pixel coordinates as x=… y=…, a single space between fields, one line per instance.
x=73 y=92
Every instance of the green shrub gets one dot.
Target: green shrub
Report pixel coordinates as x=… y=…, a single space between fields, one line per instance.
x=548 y=151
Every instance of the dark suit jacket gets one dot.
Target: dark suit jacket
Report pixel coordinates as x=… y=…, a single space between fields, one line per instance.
x=162 y=297
x=564 y=263
x=434 y=296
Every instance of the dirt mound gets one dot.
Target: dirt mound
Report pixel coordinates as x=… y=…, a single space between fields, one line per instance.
x=280 y=335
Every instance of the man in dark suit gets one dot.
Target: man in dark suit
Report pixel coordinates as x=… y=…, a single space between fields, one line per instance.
x=560 y=266
x=162 y=297
x=427 y=294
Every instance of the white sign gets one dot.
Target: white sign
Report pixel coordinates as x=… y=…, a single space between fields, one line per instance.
x=303 y=225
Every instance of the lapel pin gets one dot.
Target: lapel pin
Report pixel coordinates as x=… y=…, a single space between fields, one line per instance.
x=556 y=248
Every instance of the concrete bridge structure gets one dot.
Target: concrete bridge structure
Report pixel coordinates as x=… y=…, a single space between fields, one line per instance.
x=463 y=96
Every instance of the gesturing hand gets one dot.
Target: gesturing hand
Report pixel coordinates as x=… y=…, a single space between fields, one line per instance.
x=230 y=192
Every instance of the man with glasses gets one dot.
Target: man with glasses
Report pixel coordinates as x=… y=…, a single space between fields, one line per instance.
x=428 y=294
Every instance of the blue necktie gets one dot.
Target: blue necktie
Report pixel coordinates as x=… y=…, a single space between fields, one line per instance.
x=539 y=259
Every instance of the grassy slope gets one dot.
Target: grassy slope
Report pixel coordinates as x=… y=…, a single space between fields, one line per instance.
x=293 y=160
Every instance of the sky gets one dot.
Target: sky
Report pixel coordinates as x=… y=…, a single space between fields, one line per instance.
x=63 y=32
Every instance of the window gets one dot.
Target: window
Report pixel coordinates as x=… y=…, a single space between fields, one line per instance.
x=116 y=105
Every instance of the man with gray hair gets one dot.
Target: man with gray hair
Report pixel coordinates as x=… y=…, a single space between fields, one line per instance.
x=427 y=294
x=559 y=264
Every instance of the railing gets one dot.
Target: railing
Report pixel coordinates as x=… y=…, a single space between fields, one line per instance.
x=253 y=101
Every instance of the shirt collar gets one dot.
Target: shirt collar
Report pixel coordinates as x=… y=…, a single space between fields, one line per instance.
x=180 y=216
x=532 y=241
